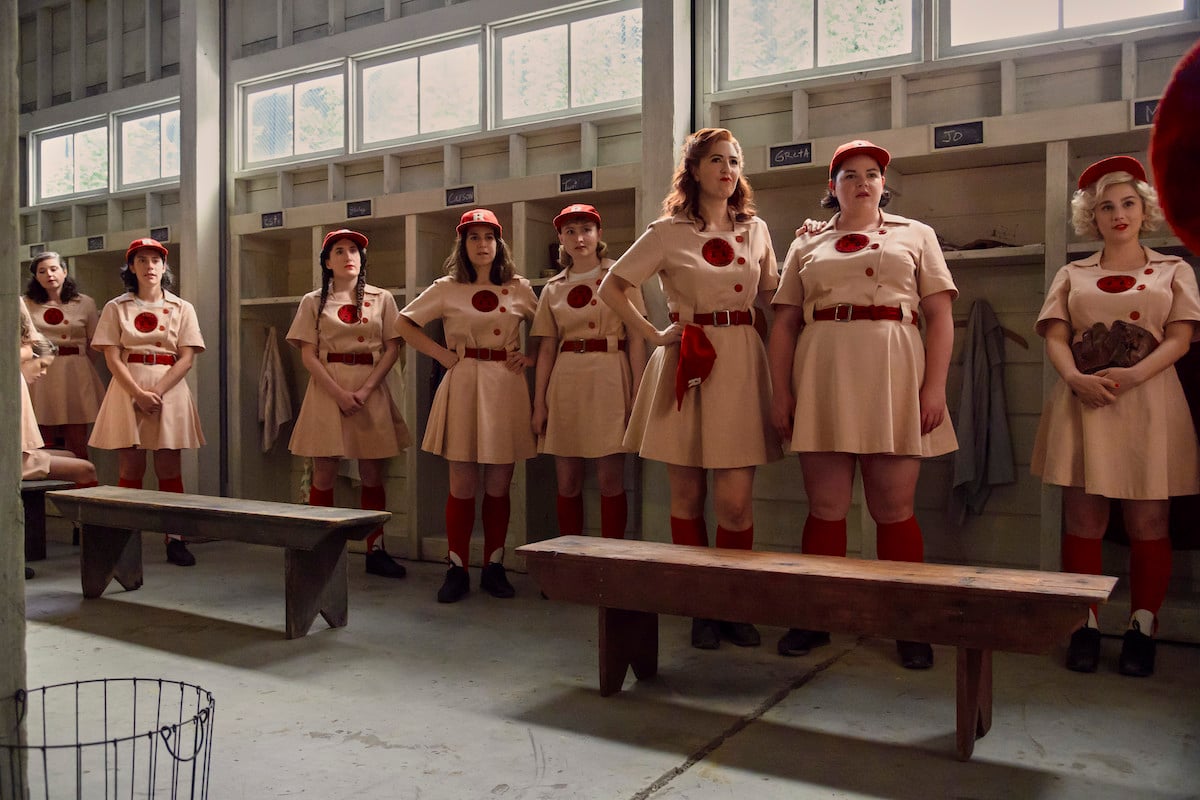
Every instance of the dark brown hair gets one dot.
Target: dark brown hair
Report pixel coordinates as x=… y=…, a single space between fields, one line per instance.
x=37 y=293
x=327 y=277
x=830 y=199
x=458 y=265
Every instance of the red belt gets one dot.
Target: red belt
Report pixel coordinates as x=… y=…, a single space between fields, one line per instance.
x=845 y=312
x=350 y=358
x=68 y=351
x=484 y=354
x=589 y=345
x=719 y=319
x=162 y=359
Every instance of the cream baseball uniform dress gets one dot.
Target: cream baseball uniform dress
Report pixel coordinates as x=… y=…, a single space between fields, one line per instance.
x=590 y=393
x=70 y=392
x=724 y=422
x=481 y=412
x=857 y=383
x=1143 y=446
x=35 y=462
x=148 y=330
x=377 y=430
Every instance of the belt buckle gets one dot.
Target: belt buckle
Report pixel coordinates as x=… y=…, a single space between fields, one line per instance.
x=716 y=317
x=580 y=345
x=491 y=354
x=837 y=312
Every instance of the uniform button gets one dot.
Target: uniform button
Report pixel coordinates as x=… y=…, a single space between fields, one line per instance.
x=362 y=338
x=158 y=344
x=166 y=311
x=740 y=238
x=1149 y=271
x=366 y=304
x=870 y=272
x=882 y=231
x=875 y=245
x=597 y=281
x=737 y=287
x=591 y=324
x=504 y=291
x=1142 y=287
x=496 y=332
x=502 y=309
x=363 y=320
x=593 y=302
x=65 y=335
x=160 y=327
x=741 y=260
x=1134 y=315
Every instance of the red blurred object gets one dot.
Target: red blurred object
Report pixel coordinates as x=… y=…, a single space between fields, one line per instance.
x=1175 y=149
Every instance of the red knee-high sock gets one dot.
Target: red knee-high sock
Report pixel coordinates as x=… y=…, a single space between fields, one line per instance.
x=495 y=526
x=374 y=498
x=171 y=485
x=735 y=540
x=1083 y=556
x=570 y=515
x=691 y=532
x=823 y=537
x=460 y=519
x=1149 y=574
x=129 y=483
x=614 y=516
x=899 y=541
x=320 y=497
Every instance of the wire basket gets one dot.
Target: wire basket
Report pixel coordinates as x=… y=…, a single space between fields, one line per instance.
x=110 y=738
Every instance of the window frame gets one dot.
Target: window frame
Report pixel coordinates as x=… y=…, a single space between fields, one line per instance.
x=722 y=82
x=103 y=122
x=410 y=51
x=312 y=72
x=117 y=143
x=945 y=30
x=497 y=34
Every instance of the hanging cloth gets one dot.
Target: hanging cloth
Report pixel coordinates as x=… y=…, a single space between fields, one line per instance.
x=274 y=399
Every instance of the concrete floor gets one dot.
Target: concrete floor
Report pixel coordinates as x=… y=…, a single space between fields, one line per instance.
x=497 y=699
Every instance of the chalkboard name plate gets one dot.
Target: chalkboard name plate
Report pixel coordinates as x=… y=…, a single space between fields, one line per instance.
x=959 y=134
x=575 y=181
x=787 y=155
x=358 y=208
x=272 y=219
x=463 y=195
x=1144 y=111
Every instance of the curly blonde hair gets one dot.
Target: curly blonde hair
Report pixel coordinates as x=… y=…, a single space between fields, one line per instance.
x=1083 y=204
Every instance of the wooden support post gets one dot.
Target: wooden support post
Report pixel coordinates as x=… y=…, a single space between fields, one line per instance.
x=627 y=639
x=316 y=582
x=974 y=699
x=108 y=553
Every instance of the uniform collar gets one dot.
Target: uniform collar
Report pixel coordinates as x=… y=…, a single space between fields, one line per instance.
x=1152 y=257
x=888 y=219
x=682 y=217
x=168 y=298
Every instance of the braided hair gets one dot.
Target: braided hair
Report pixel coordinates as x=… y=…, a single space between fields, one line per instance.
x=327 y=277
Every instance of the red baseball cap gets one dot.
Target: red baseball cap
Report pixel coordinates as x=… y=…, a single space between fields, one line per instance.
x=696 y=357
x=577 y=210
x=344 y=233
x=1175 y=149
x=857 y=147
x=140 y=244
x=1115 y=164
x=479 y=216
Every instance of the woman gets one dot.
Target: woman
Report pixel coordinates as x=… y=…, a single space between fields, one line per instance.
x=583 y=396
x=149 y=338
x=853 y=382
x=480 y=416
x=67 y=398
x=345 y=335
x=1117 y=424
x=704 y=402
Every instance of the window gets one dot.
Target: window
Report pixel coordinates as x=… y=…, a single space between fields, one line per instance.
x=296 y=117
x=149 y=146
x=773 y=40
x=587 y=60
x=72 y=162
x=434 y=92
x=976 y=26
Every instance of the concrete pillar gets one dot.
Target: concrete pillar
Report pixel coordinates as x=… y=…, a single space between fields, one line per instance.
x=201 y=242
x=12 y=540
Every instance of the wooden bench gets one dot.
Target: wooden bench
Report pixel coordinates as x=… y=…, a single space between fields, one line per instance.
x=33 y=497
x=313 y=537
x=975 y=609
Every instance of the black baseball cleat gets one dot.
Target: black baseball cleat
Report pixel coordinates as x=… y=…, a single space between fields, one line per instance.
x=380 y=563
x=494 y=581
x=178 y=554
x=798 y=641
x=456 y=586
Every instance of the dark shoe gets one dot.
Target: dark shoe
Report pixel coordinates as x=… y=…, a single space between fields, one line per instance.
x=706 y=634
x=178 y=554
x=494 y=581
x=1083 y=654
x=743 y=634
x=28 y=573
x=455 y=587
x=380 y=563
x=798 y=641
x=1137 y=655
x=914 y=655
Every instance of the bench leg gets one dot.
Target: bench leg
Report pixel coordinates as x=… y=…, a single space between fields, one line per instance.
x=35 y=525
x=974 y=688
x=316 y=582
x=108 y=553
x=627 y=639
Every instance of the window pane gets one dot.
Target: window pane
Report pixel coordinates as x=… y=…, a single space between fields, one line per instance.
x=606 y=58
x=390 y=101
x=450 y=89
x=534 y=72
x=1091 y=12
x=860 y=30
x=170 y=144
x=269 y=116
x=320 y=115
x=140 y=150
x=973 y=21
x=56 y=166
x=767 y=37
x=91 y=160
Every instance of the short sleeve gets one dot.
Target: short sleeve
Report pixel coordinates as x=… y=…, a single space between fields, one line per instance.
x=1055 y=305
x=1185 y=298
x=791 y=285
x=544 y=323
x=768 y=274
x=108 y=328
x=90 y=315
x=526 y=301
x=428 y=305
x=390 y=324
x=189 y=328
x=933 y=275
x=643 y=259
x=304 y=324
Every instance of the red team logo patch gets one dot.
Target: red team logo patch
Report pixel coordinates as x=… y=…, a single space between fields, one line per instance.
x=851 y=243
x=1115 y=284
x=52 y=316
x=718 y=252
x=145 y=322
x=485 y=301
x=348 y=314
x=579 y=296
